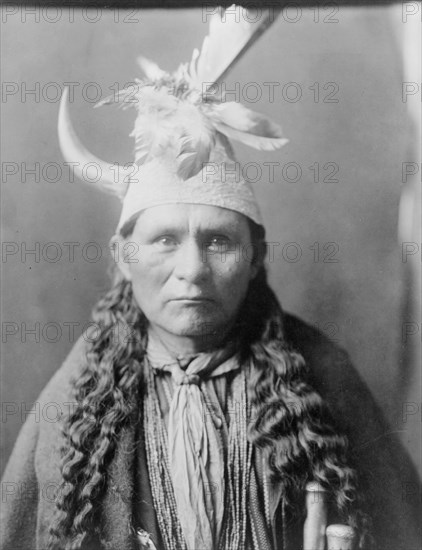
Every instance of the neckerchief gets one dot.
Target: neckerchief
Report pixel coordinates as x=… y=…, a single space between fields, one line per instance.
x=195 y=450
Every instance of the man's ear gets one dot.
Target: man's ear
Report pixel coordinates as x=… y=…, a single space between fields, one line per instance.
x=119 y=254
x=258 y=259
x=255 y=267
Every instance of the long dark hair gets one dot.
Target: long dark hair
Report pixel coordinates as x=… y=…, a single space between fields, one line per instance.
x=291 y=421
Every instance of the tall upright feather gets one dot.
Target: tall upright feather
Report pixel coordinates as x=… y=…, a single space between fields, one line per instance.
x=232 y=32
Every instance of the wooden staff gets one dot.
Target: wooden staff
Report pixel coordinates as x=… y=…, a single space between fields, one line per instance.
x=316 y=517
x=340 y=537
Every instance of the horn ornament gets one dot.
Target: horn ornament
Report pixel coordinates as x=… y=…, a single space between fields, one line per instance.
x=113 y=181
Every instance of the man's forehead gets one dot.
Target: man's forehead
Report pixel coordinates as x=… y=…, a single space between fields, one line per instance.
x=191 y=216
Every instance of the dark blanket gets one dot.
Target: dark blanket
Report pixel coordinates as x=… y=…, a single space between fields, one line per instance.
x=32 y=474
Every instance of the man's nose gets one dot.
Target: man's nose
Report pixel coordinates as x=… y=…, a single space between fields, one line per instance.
x=191 y=263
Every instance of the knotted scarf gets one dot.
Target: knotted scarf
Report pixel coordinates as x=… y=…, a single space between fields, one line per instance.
x=195 y=448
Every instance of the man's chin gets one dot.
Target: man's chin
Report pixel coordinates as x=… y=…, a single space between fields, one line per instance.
x=197 y=326
x=198 y=330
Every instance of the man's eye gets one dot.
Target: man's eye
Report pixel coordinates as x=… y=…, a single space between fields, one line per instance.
x=219 y=244
x=166 y=241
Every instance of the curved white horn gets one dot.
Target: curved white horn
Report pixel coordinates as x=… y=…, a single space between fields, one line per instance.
x=114 y=181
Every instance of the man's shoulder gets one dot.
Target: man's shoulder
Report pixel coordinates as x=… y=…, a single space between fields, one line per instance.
x=316 y=347
x=59 y=387
x=330 y=368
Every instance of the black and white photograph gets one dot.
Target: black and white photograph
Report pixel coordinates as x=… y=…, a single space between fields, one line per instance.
x=211 y=275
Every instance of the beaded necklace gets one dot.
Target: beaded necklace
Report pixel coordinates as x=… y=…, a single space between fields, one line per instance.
x=238 y=462
x=158 y=470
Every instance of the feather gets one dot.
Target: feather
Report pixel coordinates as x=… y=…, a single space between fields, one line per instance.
x=243 y=119
x=194 y=154
x=175 y=119
x=229 y=38
x=154 y=125
x=151 y=70
x=166 y=124
x=192 y=65
x=262 y=143
x=196 y=140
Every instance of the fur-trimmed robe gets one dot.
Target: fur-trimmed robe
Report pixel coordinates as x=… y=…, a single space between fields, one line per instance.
x=388 y=479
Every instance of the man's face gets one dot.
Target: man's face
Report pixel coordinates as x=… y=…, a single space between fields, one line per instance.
x=190 y=267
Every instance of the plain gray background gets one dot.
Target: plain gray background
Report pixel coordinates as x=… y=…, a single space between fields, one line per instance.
x=359 y=300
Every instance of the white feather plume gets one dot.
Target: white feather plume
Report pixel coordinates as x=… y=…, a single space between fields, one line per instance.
x=229 y=36
x=150 y=69
x=176 y=117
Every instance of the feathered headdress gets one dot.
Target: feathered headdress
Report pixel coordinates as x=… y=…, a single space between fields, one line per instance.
x=182 y=124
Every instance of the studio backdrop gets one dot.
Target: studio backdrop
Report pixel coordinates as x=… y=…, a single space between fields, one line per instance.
x=333 y=77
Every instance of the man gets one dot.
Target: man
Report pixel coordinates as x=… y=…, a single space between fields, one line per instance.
x=199 y=412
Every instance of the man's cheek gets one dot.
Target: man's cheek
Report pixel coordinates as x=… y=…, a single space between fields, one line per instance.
x=235 y=280
x=142 y=256
x=229 y=271
x=146 y=272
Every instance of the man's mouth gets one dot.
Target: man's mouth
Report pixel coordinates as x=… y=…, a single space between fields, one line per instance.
x=193 y=299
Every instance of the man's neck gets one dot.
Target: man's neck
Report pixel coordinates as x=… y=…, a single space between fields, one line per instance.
x=181 y=346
